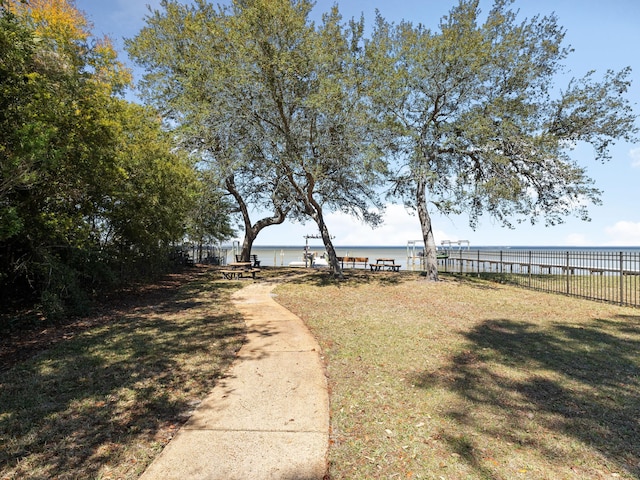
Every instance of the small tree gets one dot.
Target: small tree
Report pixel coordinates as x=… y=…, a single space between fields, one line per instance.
x=210 y=219
x=484 y=128
x=317 y=131
x=150 y=204
x=198 y=78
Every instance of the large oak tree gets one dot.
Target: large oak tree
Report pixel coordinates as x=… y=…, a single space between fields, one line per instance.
x=483 y=123
x=273 y=102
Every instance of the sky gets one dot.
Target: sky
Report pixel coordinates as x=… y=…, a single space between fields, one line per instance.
x=604 y=35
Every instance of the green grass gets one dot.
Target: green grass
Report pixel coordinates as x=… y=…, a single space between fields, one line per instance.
x=466 y=379
x=461 y=379
x=102 y=401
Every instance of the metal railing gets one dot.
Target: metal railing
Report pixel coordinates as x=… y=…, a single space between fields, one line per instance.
x=609 y=276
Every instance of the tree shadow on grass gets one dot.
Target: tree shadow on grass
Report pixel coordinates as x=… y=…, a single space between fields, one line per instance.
x=92 y=397
x=21 y=344
x=581 y=381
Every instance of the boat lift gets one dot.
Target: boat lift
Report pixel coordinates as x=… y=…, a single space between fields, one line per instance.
x=415 y=251
x=459 y=243
x=310 y=258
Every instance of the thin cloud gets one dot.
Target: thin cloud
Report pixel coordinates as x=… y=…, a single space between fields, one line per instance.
x=577 y=240
x=634 y=153
x=398 y=228
x=624 y=233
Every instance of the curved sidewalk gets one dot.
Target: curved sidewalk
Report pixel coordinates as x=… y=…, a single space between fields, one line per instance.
x=269 y=417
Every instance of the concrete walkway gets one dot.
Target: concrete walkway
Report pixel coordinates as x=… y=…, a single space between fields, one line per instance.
x=269 y=417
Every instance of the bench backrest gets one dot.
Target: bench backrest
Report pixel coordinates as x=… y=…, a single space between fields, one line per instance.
x=252 y=256
x=354 y=259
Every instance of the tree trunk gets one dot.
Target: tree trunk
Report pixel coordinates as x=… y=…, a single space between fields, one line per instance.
x=251 y=231
x=430 y=258
x=316 y=213
x=334 y=264
x=249 y=236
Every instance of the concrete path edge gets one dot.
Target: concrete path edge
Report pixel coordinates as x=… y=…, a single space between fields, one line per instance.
x=268 y=418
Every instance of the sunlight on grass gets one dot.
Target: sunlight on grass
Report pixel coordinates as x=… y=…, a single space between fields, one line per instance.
x=466 y=379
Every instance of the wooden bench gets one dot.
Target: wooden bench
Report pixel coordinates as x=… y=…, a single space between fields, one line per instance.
x=254 y=260
x=353 y=261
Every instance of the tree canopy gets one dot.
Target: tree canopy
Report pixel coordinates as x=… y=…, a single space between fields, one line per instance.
x=272 y=102
x=254 y=107
x=304 y=118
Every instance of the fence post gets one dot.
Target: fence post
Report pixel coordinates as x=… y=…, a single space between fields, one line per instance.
x=529 y=268
x=621 y=278
x=567 y=266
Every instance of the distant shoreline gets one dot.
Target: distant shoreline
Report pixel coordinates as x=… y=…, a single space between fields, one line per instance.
x=408 y=255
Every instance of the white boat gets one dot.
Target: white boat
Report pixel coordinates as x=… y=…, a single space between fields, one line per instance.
x=312 y=261
x=320 y=262
x=298 y=263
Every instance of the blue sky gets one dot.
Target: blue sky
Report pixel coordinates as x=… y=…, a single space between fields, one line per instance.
x=604 y=35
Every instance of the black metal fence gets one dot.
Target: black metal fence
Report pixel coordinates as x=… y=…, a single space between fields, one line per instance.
x=610 y=276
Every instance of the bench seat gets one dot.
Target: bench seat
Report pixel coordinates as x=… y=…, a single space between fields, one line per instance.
x=252 y=258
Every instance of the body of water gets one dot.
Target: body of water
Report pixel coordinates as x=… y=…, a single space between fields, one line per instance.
x=407 y=256
x=282 y=256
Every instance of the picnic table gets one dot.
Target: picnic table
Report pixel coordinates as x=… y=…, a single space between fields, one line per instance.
x=384 y=264
x=238 y=269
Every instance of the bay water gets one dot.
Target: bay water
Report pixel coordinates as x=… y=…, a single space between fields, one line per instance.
x=407 y=256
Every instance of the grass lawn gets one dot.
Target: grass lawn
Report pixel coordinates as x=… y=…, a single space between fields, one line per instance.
x=106 y=393
x=465 y=379
x=461 y=379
